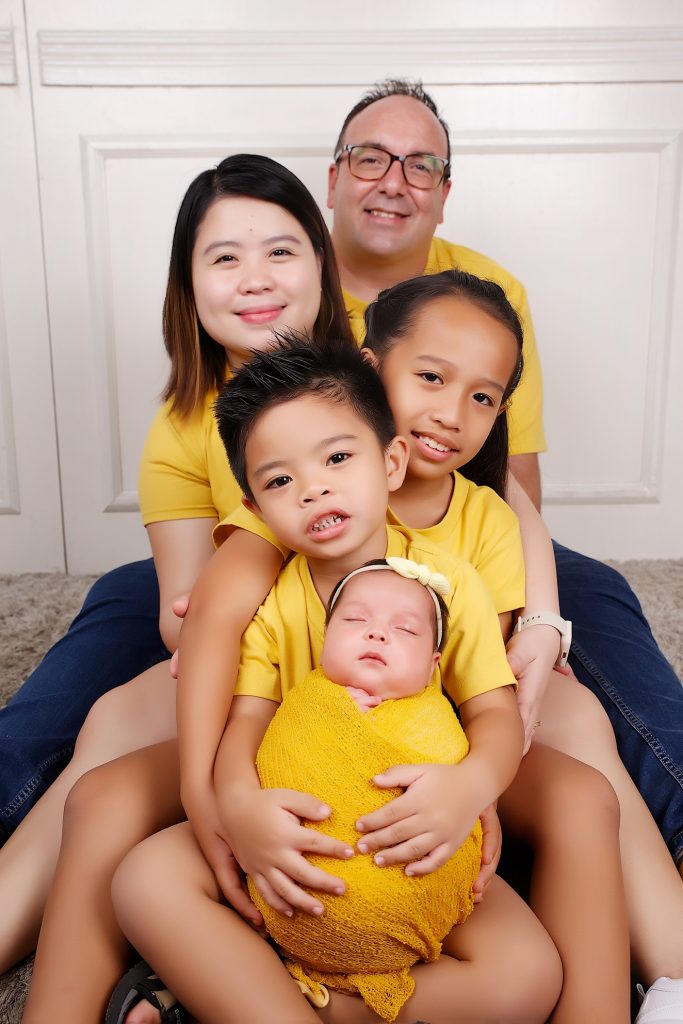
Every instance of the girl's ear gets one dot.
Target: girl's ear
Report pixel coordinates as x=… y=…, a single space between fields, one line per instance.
x=504 y=408
x=396 y=459
x=370 y=357
x=436 y=658
x=252 y=506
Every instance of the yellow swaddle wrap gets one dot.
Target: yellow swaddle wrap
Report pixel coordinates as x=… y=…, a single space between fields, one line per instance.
x=320 y=742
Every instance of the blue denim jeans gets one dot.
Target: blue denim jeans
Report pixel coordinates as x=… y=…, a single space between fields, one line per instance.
x=615 y=655
x=114 y=637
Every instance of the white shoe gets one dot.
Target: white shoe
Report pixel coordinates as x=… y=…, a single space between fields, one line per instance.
x=663 y=1002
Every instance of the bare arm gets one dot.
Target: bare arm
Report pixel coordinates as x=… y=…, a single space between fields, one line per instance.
x=181 y=548
x=532 y=654
x=494 y=732
x=224 y=600
x=527 y=471
x=539 y=559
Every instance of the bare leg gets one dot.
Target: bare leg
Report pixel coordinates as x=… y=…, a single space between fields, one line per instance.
x=81 y=952
x=129 y=717
x=497 y=966
x=501 y=965
x=569 y=814
x=575 y=723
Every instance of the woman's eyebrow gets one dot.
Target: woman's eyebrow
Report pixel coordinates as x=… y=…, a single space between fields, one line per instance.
x=234 y=244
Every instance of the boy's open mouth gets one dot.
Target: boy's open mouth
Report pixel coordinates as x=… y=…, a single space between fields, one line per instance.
x=328 y=525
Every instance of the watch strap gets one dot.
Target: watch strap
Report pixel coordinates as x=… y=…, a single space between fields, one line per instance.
x=547 y=618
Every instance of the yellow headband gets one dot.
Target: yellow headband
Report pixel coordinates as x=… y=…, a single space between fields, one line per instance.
x=434 y=582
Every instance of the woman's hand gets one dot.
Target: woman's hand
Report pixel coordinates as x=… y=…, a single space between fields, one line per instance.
x=424 y=826
x=531 y=656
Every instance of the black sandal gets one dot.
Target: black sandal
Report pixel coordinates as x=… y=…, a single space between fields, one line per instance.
x=142 y=983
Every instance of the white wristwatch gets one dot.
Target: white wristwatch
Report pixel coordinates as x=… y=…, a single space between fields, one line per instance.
x=563 y=627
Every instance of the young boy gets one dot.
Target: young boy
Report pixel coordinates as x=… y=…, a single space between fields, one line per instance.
x=311 y=441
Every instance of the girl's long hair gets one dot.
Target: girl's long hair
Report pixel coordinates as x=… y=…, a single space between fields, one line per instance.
x=393 y=314
x=198 y=363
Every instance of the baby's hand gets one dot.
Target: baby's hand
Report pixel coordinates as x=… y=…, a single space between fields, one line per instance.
x=425 y=825
x=265 y=833
x=364 y=700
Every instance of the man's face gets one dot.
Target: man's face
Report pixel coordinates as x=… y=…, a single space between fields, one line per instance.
x=387 y=218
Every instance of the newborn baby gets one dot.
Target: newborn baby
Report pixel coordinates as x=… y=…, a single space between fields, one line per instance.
x=372 y=705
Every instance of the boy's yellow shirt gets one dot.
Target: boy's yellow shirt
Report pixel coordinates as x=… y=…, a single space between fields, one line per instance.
x=477 y=526
x=278 y=651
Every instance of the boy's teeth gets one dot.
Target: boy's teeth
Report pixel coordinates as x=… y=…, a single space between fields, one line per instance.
x=323 y=524
x=431 y=443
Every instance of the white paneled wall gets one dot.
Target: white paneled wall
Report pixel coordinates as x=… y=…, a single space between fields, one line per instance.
x=567 y=136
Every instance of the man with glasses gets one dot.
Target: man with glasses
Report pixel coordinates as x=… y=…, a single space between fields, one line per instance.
x=387 y=186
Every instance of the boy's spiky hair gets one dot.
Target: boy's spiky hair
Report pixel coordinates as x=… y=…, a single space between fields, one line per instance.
x=297 y=366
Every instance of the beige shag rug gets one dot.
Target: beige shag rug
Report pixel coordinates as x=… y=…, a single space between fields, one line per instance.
x=36 y=609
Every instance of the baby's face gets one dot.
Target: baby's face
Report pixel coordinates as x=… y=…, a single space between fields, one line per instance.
x=380 y=638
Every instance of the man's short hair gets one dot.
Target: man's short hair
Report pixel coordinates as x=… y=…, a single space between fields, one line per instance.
x=394 y=87
x=298 y=366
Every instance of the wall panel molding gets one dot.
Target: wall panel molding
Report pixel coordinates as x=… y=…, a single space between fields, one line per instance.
x=9 y=477
x=8 y=64
x=326 y=57
x=643 y=489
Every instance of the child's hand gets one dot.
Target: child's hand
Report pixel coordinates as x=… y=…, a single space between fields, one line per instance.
x=206 y=825
x=425 y=825
x=269 y=842
x=531 y=656
x=491 y=849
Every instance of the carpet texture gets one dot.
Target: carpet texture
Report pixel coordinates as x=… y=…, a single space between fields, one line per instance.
x=36 y=609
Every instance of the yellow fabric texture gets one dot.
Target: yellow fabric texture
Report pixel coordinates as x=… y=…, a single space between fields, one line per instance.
x=478 y=526
x=320 y=742
x=184 y=472
x=277 y=651
x=525 y=416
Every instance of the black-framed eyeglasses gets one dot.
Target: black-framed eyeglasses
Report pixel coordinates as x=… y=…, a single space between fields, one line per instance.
x=370 y=163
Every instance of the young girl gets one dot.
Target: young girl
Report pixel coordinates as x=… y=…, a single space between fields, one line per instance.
x=250 y=253
x=428 y=346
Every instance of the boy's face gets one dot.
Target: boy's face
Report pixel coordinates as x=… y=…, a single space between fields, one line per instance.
x=380 y=638
x=320 y=479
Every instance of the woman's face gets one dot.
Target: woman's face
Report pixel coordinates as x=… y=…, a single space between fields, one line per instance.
x=254 y=270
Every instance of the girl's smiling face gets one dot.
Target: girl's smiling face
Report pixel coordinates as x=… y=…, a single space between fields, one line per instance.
x=254 y=270
x=445 y=380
